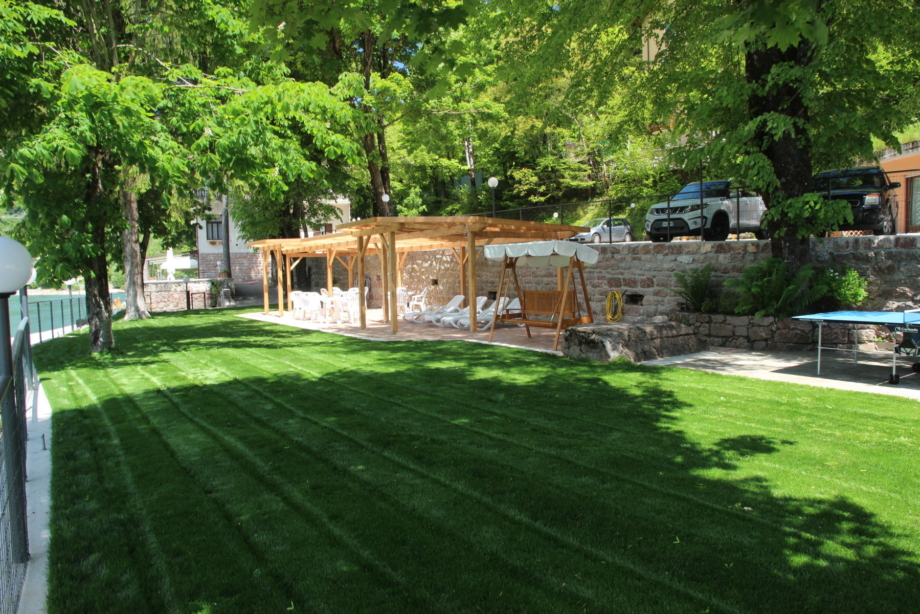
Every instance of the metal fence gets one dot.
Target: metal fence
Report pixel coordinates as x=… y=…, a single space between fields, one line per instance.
x=56 y=318
x=14 y=537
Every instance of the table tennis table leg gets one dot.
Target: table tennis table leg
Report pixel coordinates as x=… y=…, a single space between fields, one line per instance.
x=856 y=345
x=820 y=328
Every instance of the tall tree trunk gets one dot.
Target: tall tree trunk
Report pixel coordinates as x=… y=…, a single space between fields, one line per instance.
x=790 y=153
x=98 y=299
x=135 y=302
x=381 y=209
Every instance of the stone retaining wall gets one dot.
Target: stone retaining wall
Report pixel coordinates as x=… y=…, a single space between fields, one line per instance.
x=644 y=272
x=775 y=334
x=171 y=296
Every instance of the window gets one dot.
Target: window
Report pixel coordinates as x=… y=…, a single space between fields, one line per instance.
x=913 y=202
x=215 y=231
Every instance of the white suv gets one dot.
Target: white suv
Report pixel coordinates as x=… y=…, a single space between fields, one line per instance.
x=714 y=213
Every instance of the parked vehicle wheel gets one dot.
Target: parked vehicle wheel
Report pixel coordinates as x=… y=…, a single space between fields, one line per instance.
x=888 y=223
x=628 y=238
x=595 y=238
x=719 y=229
x=762 y=234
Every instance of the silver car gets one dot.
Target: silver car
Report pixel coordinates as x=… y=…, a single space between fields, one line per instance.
x=606 y=230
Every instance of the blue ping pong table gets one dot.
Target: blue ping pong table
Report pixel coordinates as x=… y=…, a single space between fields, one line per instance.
x=906 y=322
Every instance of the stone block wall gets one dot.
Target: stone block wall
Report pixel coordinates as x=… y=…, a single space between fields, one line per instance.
x=776 y=334
x=644 y=272
x=171 y=296
x=891 y=264
x=246 y=266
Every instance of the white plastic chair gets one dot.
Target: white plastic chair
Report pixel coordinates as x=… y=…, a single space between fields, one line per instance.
x=402 y=298
x=297 y=301
x=418 y=300
x=425 y=317
x=312 y=305
x=352 y=306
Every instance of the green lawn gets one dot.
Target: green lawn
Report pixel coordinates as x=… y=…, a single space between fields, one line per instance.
x=216 y=464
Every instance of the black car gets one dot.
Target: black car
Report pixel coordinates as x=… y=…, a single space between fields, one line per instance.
x=871 y=196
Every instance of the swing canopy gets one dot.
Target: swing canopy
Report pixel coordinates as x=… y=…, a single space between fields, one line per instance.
x=543 y=253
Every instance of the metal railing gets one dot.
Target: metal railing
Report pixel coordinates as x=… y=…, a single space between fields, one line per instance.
x=635 y=206
x=56 y=318
x=14 y=536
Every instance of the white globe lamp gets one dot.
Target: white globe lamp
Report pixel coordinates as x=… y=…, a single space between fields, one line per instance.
x=15 y=266
x=493 y=183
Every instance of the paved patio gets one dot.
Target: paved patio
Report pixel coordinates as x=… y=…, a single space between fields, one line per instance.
x=377 y=330
x=837 y=368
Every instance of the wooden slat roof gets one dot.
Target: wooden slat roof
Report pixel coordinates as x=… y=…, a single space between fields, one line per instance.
x=422 y=233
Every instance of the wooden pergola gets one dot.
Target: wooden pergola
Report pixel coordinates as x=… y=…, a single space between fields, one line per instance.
x=392 y=238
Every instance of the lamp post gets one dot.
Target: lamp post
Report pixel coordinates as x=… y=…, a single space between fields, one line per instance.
x=493 y=183
x=15 y=271
x=386 y=202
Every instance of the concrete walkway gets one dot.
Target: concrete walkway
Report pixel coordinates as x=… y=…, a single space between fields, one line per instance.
x=838 y=370
x=38 y=496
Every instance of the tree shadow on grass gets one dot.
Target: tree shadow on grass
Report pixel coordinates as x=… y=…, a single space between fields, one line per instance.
x=353 y=476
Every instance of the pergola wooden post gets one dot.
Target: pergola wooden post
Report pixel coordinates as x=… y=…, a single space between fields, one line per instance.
x=279 y=281
x=391 y=262
x=330 y=261
x=265 y=258
x=460 y=255
x=362 y=247
x=385 y=276
x=287 y=261
x=471 y=269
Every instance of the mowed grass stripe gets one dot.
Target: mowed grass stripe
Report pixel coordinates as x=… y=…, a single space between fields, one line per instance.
x=263 y=476
x=458 y=487
x=224 y=540
x=785 y=573
x=667 y=492
x=512 y=514
x=896 y=488
x=842 y=549
x=181 y=518
x=273 y=361
x=135 y=502
x=288 y=363
x=547 y=591
x=92 y=564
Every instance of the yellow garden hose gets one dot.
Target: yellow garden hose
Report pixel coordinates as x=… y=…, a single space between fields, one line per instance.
x=614 y=306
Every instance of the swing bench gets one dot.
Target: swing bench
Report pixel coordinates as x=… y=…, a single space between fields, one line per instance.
x=558 y=309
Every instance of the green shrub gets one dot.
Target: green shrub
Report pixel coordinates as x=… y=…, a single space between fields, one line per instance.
x=768 y=289
x=693 y=287
x=845 y=288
